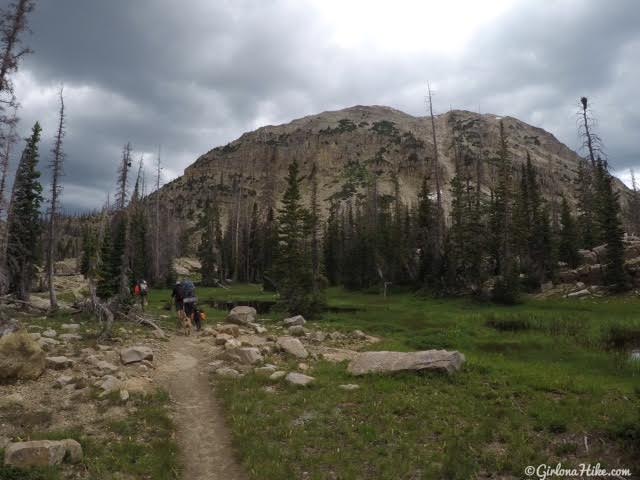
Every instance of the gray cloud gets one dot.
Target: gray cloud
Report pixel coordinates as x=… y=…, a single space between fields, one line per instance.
x=192 y=75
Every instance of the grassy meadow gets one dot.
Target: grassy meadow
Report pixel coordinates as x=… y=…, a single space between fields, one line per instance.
x=546 y=381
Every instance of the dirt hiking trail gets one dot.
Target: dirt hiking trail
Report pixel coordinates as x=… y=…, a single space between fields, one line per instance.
x=201 y=433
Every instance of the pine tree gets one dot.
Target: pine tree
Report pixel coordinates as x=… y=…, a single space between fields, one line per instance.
x=294 y=269
x=506 y=289
x=568 y=242
x=89 y=252
x=332 y=246
x=610 y=228
x=585 y=205
x=106 y=286
x=428 y=269
x=208 y=248
x=23 y=224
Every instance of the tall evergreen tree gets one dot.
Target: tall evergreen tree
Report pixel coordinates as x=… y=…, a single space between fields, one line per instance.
x=568 y=242
x=294 y=270
x=107 y=278
x=501 y=216
x=23 y=224
x=610 y=228
x=208 y=248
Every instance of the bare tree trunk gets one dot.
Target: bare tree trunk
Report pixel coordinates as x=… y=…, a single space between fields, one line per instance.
x=156 y=239
x=436 y=167
x=587 y=133
x=56 y=190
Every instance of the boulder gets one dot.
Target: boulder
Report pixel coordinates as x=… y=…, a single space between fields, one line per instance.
x=277 y=375
x=291 y=321
x=242 y=315
x=229 y=329
x=292 y=346
x=109 y=384
x=265 y=371
x=135 y=354
x=391 y=362
x=244 y=355
x=228 y=372
x=257 y=328
x=49 y=333
x=580 y=293
x=252 y=340
x=71 y=327
x=63 y=380
x=298 y=379
x=124 y=395
x=222 y=338
x=318 y=336
x=42 y=453
x=59 y=363
x=297 y=331
x=47 y=343
x=67 y=337
x=21 y=357
x=106 y=366
x=232 y=344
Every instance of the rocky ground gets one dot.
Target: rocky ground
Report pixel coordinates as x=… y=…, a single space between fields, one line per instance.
x=59 y=381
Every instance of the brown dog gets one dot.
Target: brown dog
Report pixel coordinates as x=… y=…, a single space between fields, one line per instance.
x=184 y=322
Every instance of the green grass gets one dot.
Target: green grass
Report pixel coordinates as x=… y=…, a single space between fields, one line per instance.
x=139 y=447
x=539 y=378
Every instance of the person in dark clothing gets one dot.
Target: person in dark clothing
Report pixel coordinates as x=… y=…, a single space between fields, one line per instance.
x=178 y=296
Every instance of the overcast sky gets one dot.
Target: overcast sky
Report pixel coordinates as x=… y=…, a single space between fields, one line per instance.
x=194 y=74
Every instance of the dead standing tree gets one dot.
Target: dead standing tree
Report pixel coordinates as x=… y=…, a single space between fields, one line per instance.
x=439 y=220
x=56 y=166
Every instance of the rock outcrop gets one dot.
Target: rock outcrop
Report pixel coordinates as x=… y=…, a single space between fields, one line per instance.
x=392 y=362
x=42 y=453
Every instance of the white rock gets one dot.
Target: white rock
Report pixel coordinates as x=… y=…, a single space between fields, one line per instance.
x=73 y=327
x=124 y=395
x=390 y=362
x=109 y=384
x=59 y=363
x=50 y=333
x=228 y=372
x=292 y=346
x=297 y=331
x=67 y=337
x=242 y=315
x=291 y=321
x=42 y=453
x=277 y=375
x=63 y=380
x=299 y=379
x=265 y=371
x=135 y=354
x=349 y=386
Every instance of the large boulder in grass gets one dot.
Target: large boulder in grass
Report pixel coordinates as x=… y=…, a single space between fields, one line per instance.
x=21 y=357
x=135 y=354
x=42 y=453
x=392 y=362
x=297 y=320
x=242 y=315
x=243 y=355
x=292 y=346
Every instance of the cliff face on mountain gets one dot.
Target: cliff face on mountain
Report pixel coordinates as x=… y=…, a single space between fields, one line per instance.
x=353 y=146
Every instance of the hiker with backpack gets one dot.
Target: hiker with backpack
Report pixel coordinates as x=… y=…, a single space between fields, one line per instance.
x=177 y=295
x=141 y=290
x=188 y=297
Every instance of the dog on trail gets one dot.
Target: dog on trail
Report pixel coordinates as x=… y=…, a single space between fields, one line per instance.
x=184 y=322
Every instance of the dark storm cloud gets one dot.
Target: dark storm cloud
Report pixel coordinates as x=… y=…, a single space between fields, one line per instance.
x=195 y=74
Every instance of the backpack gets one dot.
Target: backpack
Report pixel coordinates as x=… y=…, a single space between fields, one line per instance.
x=143 y=287
x=188 y=289
x=136 y=290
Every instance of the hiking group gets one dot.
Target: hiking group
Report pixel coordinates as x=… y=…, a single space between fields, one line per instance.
x=184 y=298
x=141 y=290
